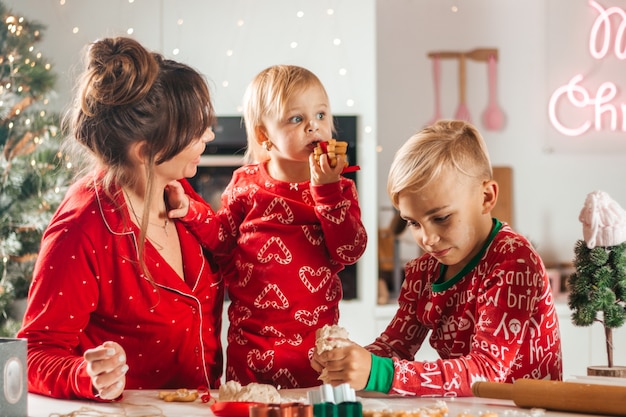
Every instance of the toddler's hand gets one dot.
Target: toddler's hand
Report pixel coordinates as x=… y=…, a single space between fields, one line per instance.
x=323 y=173
x=106 y=365
x=177 y=200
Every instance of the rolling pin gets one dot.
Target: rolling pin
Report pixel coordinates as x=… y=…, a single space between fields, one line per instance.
x=557 y=395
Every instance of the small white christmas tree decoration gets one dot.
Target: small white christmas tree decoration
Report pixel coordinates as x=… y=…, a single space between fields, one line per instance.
x=599 y=283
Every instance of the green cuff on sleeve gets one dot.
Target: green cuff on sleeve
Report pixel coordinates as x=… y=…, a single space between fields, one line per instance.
x=381 y=375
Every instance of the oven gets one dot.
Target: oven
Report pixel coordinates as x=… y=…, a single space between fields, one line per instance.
x=225 y=154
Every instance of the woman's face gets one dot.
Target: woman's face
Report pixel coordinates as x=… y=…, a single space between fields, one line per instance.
x=185 y=163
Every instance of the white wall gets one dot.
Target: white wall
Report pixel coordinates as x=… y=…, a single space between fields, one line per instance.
x=550 y=185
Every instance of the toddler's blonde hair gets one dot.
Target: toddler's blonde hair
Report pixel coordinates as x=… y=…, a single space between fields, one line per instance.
x=267 y=96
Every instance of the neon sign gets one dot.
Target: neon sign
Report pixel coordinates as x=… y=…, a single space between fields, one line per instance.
x=602 y=102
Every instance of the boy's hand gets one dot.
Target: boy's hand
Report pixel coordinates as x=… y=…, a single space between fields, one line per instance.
x=351 y=364
x=177 y=200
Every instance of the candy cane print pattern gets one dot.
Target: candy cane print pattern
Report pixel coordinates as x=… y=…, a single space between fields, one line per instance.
x=284 y=378
x=326 y=212
x=241 y=313
x=282 y=339
x=314 y=234
x=245 y=271
x=244 y=194
x=273 y=212
x=308 y=275
x=223 y=234
x=308 y=318
x=282 y=256
x=260 y=362
x=307 y=199
x=351 y=253
x=238 y=337
x=272 y=296
x=334 y=291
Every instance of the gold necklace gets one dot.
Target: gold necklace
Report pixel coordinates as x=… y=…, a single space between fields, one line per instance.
x=132 y=208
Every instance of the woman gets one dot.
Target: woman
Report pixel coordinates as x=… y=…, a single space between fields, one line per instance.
x=123 y=297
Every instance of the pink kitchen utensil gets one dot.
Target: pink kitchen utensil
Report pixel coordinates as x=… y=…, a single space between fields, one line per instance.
x=493 y=116
x=436 y=84
x=462 y=112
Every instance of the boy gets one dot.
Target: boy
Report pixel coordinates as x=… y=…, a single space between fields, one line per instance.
x=479 y=288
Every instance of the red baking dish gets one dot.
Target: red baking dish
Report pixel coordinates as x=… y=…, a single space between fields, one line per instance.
x=232 y=408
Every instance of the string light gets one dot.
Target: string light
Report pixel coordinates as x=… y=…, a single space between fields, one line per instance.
x=238 y=39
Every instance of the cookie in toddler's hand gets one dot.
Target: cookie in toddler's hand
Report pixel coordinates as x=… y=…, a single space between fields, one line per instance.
x=332 y=149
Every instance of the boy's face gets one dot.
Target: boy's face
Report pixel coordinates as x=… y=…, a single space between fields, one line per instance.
x=450 y=218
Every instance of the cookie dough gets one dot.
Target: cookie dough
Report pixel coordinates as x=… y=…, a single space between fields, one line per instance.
x=253 y=392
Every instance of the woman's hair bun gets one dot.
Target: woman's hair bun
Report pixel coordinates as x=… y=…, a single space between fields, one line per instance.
x=120 y=71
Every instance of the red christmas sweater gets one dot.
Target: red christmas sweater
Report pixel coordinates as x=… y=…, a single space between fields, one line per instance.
x=494 y=321
x=286 y=242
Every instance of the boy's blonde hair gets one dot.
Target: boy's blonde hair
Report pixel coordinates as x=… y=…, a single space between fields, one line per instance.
x=445 y=144
x=267 y=95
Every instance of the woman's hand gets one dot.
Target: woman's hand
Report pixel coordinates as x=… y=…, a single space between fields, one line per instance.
x=324 y=173
x=177 y=200
x=106 y=365
x=350 y=364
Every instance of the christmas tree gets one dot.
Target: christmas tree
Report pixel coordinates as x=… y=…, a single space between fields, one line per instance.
x=33 y=173
x=598 y=287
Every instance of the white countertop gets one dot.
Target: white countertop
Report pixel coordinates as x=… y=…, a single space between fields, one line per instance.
x=147 y=404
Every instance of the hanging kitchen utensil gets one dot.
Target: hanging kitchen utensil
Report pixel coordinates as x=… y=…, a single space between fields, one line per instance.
x=493 y=116
x=462 y=112
x=481 y=54
x=436 y=84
